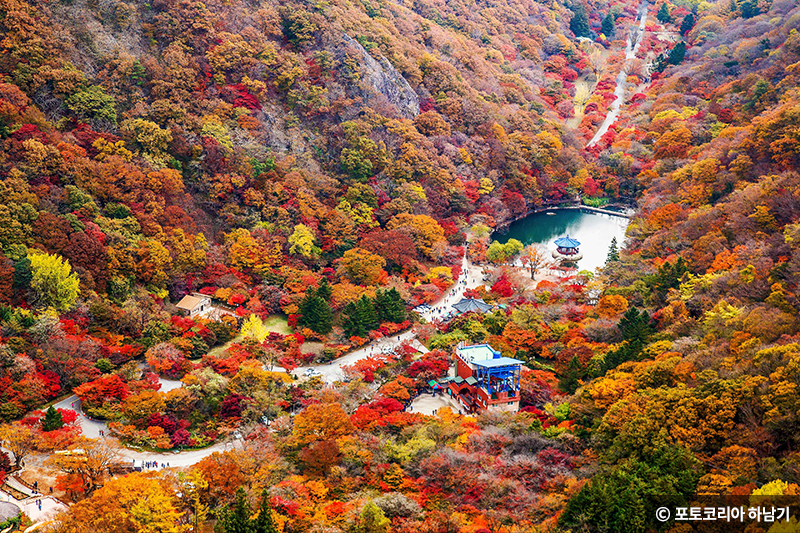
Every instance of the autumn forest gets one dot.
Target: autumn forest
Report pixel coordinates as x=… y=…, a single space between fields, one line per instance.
x=232 y=234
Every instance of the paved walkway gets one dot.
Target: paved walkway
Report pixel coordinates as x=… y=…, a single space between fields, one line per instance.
x=91 y=428
x=49 y=507
x=444 y=305
x=179 y=459
x=333 y=371
x=15 y=484
x=427 y=404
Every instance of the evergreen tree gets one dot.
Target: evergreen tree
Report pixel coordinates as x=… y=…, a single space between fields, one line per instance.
x=236 y=519
x=381 y=304
x=686 y=26
x=668 y=277
x=635 y=326
x=621 y=497
x=613 y=251
x=389 y=306
x=320 y=316
x=677 y=53
x=749 y=8
x=608 y=26
x=324 y=290
x=663 y=15
x=351 y=322
x=315 y=312
x=52 y=420
x=636 y=330
x=366 y=313
x=580 y=22
x=22 y=274
x=264 y=522
x=569 y=380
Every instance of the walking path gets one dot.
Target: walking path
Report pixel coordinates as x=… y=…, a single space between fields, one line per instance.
x=333 y=371
x=49 y=507
x=444 y=305
x=634 y=39
x=179 y=459
x=15 y=484
x=329 y=372
x=35 y=505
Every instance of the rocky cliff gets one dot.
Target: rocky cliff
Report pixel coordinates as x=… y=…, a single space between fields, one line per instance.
x=381 y=81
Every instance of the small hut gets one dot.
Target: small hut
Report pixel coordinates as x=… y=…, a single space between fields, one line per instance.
x=567 y=250
x=195 y=305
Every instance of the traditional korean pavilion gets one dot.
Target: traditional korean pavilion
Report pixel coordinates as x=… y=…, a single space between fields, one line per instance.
x=567 y=249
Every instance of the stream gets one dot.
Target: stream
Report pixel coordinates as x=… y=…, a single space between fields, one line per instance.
x=631 y=46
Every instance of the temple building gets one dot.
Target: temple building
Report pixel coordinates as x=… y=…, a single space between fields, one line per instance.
x=485 y=380
x=567 y=249
x=468 y=305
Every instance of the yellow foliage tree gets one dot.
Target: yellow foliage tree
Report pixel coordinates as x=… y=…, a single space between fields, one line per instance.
x=254 y=328
x=136 y=503
x=611 y=305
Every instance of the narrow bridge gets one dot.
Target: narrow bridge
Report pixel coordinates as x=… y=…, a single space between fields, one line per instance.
x=545 y=208
x=597 y=210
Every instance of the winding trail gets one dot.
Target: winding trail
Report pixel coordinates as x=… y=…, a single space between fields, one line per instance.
x=440 y=308
x=631 y=47
x=330 y=372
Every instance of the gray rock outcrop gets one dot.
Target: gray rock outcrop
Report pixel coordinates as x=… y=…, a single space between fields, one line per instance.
x=381 y=77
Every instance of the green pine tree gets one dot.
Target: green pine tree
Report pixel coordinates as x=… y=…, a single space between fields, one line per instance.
x=52 y=420
x=749 y=8
x=320 y=316
x=677 y=53
x=264 y=522
x=351 y=322
x=613 y=251
x=580 y=22
x=315 y=311
x=608 y=26
x=663 y=15
x=686 y=25
x=569 y=380
x=324 y=290
x=397 y=307
x=668 y=277
x=635 y=326
x=236 y=519
x=381 y=304
x=367 y=314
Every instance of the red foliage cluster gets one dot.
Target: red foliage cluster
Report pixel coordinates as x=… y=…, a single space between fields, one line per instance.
x=503 y=287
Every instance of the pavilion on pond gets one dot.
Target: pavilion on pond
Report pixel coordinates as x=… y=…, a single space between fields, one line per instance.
x=567 y=249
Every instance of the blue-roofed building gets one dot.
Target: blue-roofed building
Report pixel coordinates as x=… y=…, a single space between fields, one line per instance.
x=485 y=379
x=567 y=249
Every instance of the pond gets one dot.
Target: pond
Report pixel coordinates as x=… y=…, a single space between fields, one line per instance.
x=593 y=230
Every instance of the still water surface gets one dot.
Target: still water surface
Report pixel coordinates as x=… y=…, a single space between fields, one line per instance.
x=593 y=230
